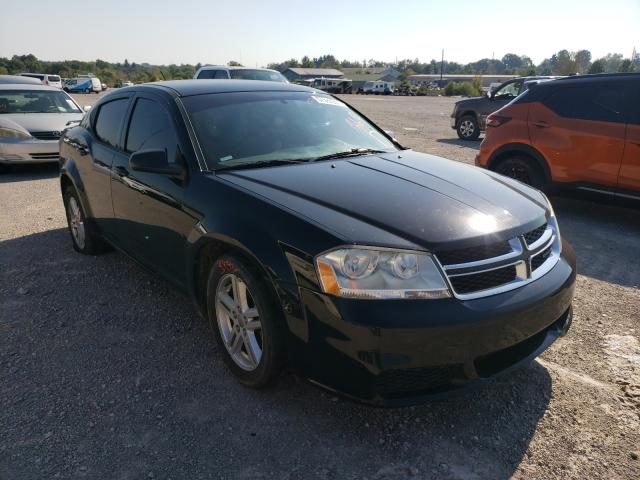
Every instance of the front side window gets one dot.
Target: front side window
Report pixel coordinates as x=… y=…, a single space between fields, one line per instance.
x=510 y=90
x=107 y=124
x=151 y=128
x=602 y=102
x=242 y=128
x=36 y=101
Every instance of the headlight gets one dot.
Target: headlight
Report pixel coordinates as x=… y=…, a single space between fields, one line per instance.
x=379 y=273
x=553 y=222
x=11 y=135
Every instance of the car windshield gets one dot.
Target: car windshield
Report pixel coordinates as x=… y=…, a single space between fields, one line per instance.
x=249 y=74
x=236 y=129
x=36 y=101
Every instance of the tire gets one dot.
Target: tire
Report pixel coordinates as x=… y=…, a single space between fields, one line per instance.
x=254 y=352
x=523 y=169
x=467 y=128
x=83 y=235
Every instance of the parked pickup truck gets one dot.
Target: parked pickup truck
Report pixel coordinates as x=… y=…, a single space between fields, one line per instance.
x=469 y=115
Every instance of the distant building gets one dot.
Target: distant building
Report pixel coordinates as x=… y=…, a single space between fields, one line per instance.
x=298 y=74
x=485 y=80
x=360 y=75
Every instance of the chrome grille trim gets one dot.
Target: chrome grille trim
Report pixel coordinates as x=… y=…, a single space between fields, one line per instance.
x=520 y=257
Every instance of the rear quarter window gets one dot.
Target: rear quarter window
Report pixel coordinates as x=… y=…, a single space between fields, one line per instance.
x=109 y=119
x=209 y=74
x=602 y=102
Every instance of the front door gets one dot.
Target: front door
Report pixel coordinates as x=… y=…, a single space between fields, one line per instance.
x=152 y=225
x=580 y=130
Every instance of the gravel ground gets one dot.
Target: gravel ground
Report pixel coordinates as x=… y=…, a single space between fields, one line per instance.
x=107 y=373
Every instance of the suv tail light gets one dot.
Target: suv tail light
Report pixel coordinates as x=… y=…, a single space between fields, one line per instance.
x=495 y=120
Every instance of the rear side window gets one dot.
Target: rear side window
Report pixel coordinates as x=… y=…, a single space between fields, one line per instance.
x=603 y=102
x=53 y=78
x=110 y=115
x=206 y=74
x=151 y=128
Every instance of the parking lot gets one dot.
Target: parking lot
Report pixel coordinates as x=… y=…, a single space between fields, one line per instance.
x=106 y=372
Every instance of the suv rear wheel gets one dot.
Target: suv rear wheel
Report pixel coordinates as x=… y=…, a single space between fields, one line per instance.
x=468 y=128
x=523 y=169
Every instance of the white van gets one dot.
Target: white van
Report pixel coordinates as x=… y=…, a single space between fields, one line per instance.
x=378 y=87
x=83 y=84
x=46 y=79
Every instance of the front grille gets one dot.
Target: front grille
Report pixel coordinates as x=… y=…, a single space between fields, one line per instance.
x=540 y=258
x=45 y=156
x=473 y=254
x=417 y=380
x=46 y=135
x=532 y=236
x=476 y=282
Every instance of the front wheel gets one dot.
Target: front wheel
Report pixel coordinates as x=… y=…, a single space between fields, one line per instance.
x=467 y=128
x=522 y=169
x=246 y=322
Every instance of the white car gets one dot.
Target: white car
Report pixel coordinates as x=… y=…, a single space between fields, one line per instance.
x=32 y=118
x=46 y=79
x=238 y=73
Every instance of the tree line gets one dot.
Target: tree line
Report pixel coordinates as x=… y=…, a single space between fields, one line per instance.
x=562 y=62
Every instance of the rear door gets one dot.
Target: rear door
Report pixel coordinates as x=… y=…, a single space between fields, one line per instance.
x=152 y=225
x=94 y=156
x=580 y=130
x=629 y=179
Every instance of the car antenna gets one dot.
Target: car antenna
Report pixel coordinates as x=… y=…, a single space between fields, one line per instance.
x=162 y=75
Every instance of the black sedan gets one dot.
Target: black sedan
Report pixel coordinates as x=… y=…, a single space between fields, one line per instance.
x=310 y=238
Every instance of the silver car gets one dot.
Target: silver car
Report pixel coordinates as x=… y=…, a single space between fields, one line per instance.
x=32 y=118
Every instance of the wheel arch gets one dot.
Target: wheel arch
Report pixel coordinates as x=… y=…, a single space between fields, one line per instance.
x=208 y=250
x=511 y=149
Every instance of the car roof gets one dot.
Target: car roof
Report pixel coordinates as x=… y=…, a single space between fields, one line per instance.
x=186 y=88
x=19 y=79
x=27 y=86
x=235 y=67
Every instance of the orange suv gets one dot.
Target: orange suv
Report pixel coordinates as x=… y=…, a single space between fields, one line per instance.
x=581 y=132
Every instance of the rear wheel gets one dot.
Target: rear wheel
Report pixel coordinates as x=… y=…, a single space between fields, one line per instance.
x=467 y=128
x=523 y=169
x=244 y=317
x=83 y=235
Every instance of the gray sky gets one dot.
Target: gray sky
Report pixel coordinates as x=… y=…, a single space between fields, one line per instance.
x=258 y=32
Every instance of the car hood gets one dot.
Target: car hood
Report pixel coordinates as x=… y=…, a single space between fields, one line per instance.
x=40 y=122
x=421 y=199
x=470 y=102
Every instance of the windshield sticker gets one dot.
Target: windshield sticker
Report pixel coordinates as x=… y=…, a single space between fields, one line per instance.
x=328 y=101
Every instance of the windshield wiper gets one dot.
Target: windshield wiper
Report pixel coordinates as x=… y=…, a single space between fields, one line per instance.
x=263 y=163
x=354 y=152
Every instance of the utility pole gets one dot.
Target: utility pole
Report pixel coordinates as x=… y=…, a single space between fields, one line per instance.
x=442 y=65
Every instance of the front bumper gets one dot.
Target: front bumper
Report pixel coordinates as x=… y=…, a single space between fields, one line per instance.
x=402 y=352
x=29 y=151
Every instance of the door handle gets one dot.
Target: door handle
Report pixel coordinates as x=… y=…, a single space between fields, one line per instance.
x=82 y=150
x=541 y=124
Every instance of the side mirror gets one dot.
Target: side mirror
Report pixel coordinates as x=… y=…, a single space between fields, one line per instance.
x=86 y=108
x=155 y=161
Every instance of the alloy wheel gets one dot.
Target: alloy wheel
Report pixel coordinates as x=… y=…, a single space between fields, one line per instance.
x=76 y=223
x=239 y=322
x=467 y=128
